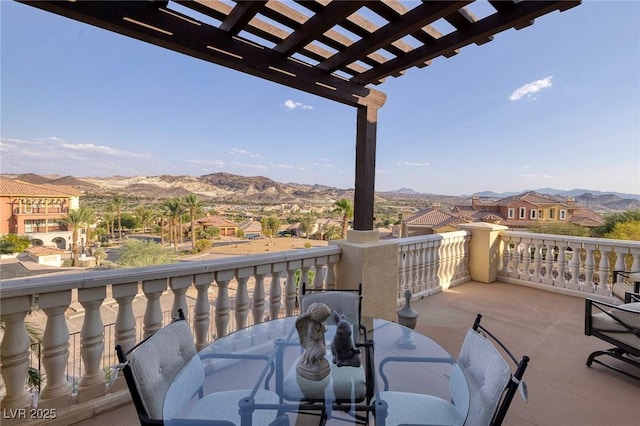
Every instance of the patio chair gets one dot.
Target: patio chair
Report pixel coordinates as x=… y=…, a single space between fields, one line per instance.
x=622 y=283
x=490 y=381
x=618 y=325
x=350 y=384
x=151 y=365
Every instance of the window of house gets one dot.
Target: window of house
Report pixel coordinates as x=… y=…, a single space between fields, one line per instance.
x=522 y=214
x=552 y=213
x=28 y=207
x=512 y=213
x=540 y=214
x=533 y=213
x=563 y=214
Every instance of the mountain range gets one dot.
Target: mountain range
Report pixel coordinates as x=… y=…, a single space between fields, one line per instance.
x=226 y=187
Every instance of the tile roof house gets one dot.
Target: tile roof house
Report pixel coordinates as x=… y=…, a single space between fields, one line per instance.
x=251 y=228
x=519 y=211
x=430 y=221
x=36 y=211
x=227 y=227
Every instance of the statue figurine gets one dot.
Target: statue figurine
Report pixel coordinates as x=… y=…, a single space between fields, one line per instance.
x=343 y=350
x=311 y=327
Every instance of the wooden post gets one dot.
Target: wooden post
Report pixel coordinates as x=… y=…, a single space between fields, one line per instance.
x=367 y=122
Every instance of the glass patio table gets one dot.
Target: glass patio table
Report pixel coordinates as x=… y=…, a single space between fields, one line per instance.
x=254 y=360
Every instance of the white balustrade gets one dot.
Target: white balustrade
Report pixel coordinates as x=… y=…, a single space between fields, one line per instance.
x=429 y=263
x=572 y=265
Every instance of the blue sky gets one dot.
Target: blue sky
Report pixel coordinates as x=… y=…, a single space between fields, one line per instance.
x=554 y=105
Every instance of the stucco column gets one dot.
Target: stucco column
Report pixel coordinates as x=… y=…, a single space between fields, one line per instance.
x=485 y=250
x=374 y=263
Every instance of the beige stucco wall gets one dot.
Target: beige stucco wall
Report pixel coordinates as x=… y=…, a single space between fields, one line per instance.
x=485 y=250
x=373 y=263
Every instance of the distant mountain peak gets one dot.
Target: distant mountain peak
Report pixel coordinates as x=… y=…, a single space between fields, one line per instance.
x=404 y=191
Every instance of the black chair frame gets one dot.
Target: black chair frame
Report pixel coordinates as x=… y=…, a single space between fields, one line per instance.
x=143 y=415
x=621 y=350
x=516 y=377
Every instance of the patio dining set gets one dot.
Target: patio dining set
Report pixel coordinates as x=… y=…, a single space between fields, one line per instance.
x=396 y=376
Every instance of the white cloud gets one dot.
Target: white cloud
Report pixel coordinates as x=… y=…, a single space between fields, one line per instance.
x=289 y=166
x=529 y=88
x=244 y=152
x=101 y=149
x=293 y=105
x=536 y=176
x=327 y=165
x=409 y=163
x=215 y=163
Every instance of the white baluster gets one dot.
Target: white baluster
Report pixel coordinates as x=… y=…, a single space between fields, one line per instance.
x=179 y=286
x=574 y=267
x=242 y=297
x=92 y=384
x=275 y=290
x=506 y=256
x=548 y=262
x=259 y=294
x=125 y=328
x=290 y=292
x=202 y=309
x=318 y=265
x=55 y=350
x=604 y=270
x=15 y=352
x=589 y=264
x=153 y=311
x=330 y=281
x=432 y=264
x=222 y=302
x=517 y=258
x=535 y=268
x=560 y=280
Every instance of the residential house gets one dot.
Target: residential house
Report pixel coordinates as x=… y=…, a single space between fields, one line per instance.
x=227 y=228
x=252 y=229
x=428 y=221
x=521 y=211
x=37 y=211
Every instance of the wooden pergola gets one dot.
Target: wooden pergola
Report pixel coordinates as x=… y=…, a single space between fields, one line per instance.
x=332 y=49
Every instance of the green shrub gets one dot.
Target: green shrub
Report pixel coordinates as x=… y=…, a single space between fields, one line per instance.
x=12 y=243
x=202 y=245
x=134 y=253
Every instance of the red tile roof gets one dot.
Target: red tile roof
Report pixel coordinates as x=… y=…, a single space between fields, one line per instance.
x=218 y=221
x=16 y=188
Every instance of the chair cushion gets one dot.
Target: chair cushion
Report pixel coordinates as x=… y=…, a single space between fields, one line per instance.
x=629 y=314
x=224 y=406
x=413 y=408
x=342 y=383
x=619 y=289
x=604 y=323
x=343 y=302
x=155 y=363
x=487 y=375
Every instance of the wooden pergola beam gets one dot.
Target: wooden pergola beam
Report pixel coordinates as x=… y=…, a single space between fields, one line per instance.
x=480 y=30
x=173 y=31
x=317 y=25
x=415 y=19
x=240 y=16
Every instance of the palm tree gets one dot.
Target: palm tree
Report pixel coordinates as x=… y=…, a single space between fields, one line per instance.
x=306 y=223
x=344 y=208
x=109 y=217
x=75 y=220
x=173 y=209
x=90 y=220
x=331 y=232
x=144 y=215
x=117 y=203
x=193 y=204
